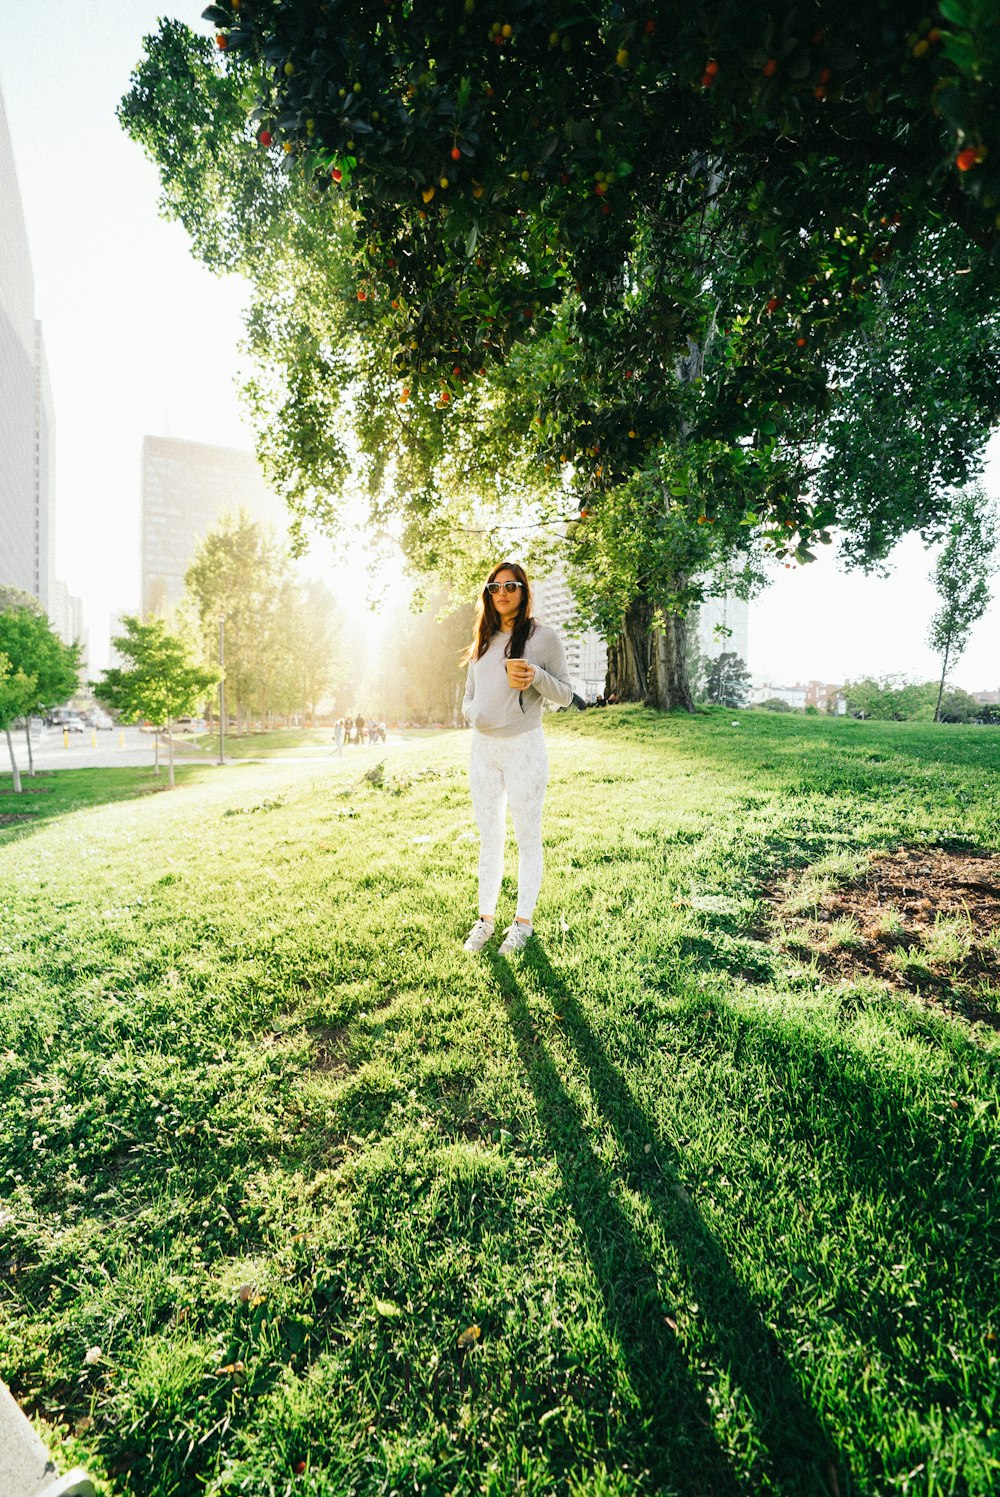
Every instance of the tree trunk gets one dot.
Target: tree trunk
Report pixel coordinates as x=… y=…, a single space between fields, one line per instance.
x=13 y=764
x=170 y=750
x=669 y=687
x=156 y=750
x=649 y=665
x=944 y=672
x=27 y=739
x=629 y=654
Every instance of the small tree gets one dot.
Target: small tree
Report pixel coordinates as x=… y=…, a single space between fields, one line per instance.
x=30 y=644
x=961 y=577
x=162 y=682
x=728 y=680
x=16 y=691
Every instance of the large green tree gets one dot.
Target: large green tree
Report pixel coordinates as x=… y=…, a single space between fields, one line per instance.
x=628 y=292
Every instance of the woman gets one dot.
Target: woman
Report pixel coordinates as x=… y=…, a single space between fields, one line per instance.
x=514 y=663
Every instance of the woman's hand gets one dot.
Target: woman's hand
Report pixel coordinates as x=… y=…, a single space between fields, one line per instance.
x=520 y=674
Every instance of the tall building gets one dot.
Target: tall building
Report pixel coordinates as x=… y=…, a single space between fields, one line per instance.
x=25 y=532
x=586 y=652
x=186 y=489
x=45 y=476
x=723 y=613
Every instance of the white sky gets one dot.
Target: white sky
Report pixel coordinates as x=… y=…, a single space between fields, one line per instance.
x=141 y=339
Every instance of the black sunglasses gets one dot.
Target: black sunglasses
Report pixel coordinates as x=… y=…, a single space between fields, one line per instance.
x=508 y=587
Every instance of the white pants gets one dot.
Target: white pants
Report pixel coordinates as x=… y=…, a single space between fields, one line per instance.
x=514 y=770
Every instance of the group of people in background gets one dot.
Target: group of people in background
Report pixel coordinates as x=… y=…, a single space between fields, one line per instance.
x=357 y=730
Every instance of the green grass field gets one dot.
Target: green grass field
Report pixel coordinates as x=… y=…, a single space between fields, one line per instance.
x=299 y=1198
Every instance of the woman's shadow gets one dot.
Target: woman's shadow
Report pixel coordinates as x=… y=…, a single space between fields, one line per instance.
x=673 y=1437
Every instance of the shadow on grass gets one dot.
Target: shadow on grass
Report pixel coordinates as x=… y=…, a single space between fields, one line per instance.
x=673 y=1436
x=52 y=793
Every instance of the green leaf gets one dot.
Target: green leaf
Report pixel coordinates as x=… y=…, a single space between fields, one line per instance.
x=387 y=1309
x=955 y=11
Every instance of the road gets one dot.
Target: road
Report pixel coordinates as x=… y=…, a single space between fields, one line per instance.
x=89 y=750
x=133 y=746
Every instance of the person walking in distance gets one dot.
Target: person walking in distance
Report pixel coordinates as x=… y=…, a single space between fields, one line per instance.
x=338 y=738
x=515 y=663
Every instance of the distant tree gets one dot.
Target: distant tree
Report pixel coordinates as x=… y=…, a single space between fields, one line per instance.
x=161 y=681
x=30 y=643
x=416 y=671
x=239 y=571
x=317 y=661
x=728 y=680
x=962 y=577
x=958 y=706
x=776 y=704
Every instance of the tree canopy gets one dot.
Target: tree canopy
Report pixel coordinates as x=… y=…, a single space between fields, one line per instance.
x=618 y=273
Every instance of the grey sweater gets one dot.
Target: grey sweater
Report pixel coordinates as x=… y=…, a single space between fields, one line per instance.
x=493 y=707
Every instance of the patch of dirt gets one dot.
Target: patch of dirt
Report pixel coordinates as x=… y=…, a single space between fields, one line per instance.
x=923 y=920
x=331 y=1048
x=15 y=817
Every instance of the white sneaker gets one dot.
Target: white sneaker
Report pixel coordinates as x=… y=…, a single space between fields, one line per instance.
x=516 y=938
x=478 y=936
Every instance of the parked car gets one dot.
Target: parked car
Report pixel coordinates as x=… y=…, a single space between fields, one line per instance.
x=73 y=724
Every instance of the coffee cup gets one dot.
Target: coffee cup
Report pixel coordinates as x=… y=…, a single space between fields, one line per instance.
x=507 y=667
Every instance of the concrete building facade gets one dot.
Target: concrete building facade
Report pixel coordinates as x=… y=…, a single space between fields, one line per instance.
x=586 y=652
x=186 y=489
x=17 y=381
x=723 y=613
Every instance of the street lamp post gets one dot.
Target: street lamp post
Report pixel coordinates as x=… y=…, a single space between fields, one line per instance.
x=222 y=689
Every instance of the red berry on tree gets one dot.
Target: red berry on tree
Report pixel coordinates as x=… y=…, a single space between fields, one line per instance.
x=336 y=174
x=650 y=27
x=773 y=304
x=362 y=296
x=770 y=67
x=221 y=42
x=265 y=137
x=711 y=67
x=967 y=159
x=455 y=153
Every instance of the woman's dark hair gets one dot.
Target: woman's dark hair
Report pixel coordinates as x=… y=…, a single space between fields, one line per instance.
x=487 y=622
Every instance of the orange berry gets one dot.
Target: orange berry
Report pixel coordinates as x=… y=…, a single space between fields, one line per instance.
x=800 y=342
x=711 y=68
x=455 y=153
x=770 y=67
x=967 y=159
x=362 y=296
